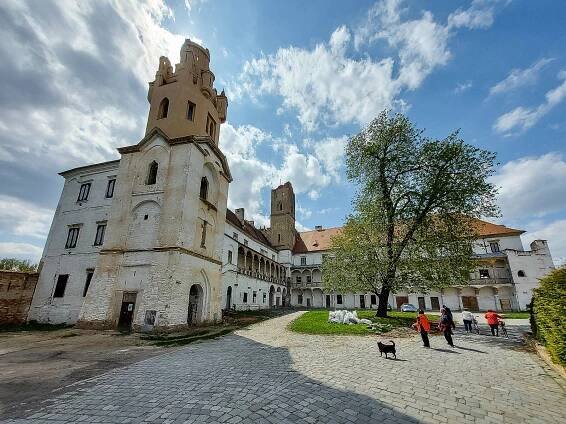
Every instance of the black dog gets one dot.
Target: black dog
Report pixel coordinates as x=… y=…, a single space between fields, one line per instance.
x=387 y=348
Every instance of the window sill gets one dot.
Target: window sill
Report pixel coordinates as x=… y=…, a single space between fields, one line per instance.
x=207 y=203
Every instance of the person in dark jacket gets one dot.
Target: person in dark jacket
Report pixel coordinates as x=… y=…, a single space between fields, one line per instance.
x=451 y=317
x=445 y=325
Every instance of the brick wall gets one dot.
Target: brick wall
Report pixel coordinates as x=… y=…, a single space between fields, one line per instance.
x=16 y=292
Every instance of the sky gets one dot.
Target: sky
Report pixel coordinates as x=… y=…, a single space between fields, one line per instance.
x=301 y=77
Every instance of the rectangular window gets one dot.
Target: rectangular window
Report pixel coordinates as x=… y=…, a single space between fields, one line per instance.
x=61 y=285
x=339 y=299
x=210 y=126
x=264 y=297
x=299 y=278
x=309 y=279
x=300 y=299
x=229 y=256
x=191 y=111
x=235 y=236
x=373 y=299
x=99 y=238
x=494 y=246
x=110 y=188
x=484 y=273
x=303 y=260
x=245 y=300
x=72 y=237
x=254 y=297
x=83 y=192
x=89 y=275
x=245 y=242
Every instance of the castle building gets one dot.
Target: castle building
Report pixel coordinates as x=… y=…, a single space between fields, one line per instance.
x=146 y=242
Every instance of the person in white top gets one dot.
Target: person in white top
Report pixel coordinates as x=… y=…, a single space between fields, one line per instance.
x=467 y=317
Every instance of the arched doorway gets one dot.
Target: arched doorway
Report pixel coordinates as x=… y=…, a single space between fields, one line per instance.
x=195 y=304
x=283 y=301
x=229 y=298
x=271 y=295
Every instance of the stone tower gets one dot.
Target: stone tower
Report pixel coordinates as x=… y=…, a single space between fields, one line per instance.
x=282 y=231
x=160 y=263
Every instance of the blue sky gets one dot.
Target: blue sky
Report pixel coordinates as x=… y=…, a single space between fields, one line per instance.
x=300 y=77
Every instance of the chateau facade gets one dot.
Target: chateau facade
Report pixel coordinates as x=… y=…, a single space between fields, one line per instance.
x=147 y=242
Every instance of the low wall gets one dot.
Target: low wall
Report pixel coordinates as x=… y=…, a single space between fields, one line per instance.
x=16 y=293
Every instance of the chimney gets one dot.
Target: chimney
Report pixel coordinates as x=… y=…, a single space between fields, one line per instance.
x=240 y=214
x=318 y=227
x=251 y=223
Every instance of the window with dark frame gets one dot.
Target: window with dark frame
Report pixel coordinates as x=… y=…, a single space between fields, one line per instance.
x=303 y=260
x=191 y=111
x=254 y=297
x=245 y=299
x=100 y=230
x=300 y=299
x=494 y=246
x=264 y=297
x=152 y=173
x=83 y=192
x=229 y=256
x=110 y=188
x=203 y=193
x=72 y=237
x=484 y=273
x=89 y=275
x=61 y=285
x=373 y=299
x=299 y=278
x=339 y=299
x=309 y=278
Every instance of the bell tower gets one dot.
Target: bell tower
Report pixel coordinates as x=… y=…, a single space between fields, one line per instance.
x=282 y=231
x=185 y=102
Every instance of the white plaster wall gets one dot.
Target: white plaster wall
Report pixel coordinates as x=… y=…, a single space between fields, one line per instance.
x=241 y=284
x=505 y=242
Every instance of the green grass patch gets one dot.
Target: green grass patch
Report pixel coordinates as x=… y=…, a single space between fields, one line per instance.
x=515 y=315
x=316 y=322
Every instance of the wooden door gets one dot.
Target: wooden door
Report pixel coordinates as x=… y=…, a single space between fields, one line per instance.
x=470 y=303
x=362 y=301
x=434 y=303
x=127 y=312
x=422 y=304
x=400 y=300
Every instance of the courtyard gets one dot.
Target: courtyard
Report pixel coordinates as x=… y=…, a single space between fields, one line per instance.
x=267 y=374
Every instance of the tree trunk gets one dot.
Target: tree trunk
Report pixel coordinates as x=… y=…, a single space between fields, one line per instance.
x=383 y=302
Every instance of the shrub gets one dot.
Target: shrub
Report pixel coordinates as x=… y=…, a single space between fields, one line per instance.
x=549 y=313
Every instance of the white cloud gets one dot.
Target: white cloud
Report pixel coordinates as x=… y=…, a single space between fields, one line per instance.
x=479 y=15
x=532 y=187
x=21 y=251
x=553 y=232
x=330 y=151
x=521 y=119
x=462 y=86
x=22 y=218
x=519 y=77
x=327 y=85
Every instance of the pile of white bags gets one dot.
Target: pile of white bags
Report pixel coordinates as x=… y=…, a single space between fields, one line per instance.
x=346 y=317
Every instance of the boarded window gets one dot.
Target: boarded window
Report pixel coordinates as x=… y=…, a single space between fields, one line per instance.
x=83 y=192
x=61 y=285
x=72 y=238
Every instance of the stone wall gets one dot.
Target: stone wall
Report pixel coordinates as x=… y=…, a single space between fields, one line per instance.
x=16 y=292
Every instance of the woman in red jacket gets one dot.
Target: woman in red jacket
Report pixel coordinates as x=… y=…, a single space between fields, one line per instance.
x=423 y=326
x=492 y=319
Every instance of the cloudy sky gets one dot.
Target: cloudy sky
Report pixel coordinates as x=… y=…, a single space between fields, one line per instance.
x=301 y=76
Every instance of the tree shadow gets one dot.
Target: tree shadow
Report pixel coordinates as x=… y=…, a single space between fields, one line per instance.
x=515 y=341
x=215 y=380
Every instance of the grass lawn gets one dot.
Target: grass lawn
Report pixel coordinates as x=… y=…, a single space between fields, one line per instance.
x=515 y=315
x=316 y=322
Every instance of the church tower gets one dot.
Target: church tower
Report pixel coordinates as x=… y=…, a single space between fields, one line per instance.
x=282 y=231
x=159 y=267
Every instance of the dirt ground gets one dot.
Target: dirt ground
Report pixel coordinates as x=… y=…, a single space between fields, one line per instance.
x=35 y=364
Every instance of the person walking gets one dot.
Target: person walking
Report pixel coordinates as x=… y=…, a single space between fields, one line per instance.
x=450 y=316
x=492 y=319
x=423 y=327
x=445 y=326
x=468 y=318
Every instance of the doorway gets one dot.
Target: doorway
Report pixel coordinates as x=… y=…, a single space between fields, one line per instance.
x=271 y=294
x=328 y=301
x=195 y=304
x=434 y=303
x=422 y=304
x=127 y=311
x=229 y=298
x=400 y=300
x=308 y=302
x=470 y=303
x=362 y=301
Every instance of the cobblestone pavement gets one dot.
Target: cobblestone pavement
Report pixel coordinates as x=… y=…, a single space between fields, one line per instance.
x=265 y=374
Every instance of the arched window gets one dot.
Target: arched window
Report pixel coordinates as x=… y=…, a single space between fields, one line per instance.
x=521 y=273
x=163 y=108
x=152 y=173
x=203 y=188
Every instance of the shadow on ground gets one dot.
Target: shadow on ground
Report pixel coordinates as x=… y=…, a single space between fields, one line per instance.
x=232 y=378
